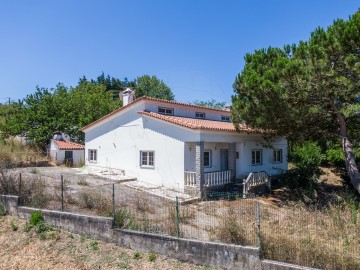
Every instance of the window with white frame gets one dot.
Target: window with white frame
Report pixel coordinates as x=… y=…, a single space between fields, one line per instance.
x=277 y=156
x=225 y=118
x=207 y=158
x=163 y=110
x=256 y=157
x=93 y=155
x=200 y=115
x=147 y=159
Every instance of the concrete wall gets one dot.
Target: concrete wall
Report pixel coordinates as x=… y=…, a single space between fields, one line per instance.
x=198 y=252
x=10 y=202
x=93 y=226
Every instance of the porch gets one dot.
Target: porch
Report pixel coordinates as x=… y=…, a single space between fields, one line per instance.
x=209 y=165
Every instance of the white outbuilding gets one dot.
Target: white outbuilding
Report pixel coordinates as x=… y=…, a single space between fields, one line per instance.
x=66 y=152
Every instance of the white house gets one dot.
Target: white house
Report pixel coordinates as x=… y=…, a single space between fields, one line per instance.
x=180 y=146
x=66 y=152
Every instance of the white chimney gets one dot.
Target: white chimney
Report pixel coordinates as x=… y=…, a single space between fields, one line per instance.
x=127 y=96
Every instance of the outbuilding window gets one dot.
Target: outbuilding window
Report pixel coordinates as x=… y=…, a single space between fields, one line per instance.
x=256 y=157
x=277 y=156
x=200 y=115
x=147 y=159
x=93 y=155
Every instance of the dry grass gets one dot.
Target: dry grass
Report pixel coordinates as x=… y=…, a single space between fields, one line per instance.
x=14 y=153
x=63 y=250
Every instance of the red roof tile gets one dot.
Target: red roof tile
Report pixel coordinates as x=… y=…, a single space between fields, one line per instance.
x=195 y=123
x=66 y=145
x=151 y=99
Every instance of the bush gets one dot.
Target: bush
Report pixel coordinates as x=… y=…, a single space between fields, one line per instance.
x=35 y=218
x=307 y=155
x=41 y=227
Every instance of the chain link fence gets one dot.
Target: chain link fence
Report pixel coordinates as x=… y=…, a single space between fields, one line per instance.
x=320 y=237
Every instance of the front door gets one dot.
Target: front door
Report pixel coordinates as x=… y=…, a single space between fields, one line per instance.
x=224 y=159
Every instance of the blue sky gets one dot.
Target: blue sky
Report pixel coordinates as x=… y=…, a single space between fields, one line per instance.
x=196 y=47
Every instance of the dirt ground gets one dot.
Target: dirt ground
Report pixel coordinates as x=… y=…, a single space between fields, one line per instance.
x=63 y=250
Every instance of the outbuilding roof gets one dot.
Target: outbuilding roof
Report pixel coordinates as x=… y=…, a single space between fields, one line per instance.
x=66 y=145
x=196 y=123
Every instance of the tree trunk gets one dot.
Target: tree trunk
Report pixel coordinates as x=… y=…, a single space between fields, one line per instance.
x=350 y=162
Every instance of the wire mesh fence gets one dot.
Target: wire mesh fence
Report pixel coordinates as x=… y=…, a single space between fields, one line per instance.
x=326 y=238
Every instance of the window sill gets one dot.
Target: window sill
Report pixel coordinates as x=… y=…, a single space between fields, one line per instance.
x=147 y=167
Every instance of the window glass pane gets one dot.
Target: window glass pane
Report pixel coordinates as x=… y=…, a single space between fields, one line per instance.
x=144 y=158
x=151 y=159
x=207 y=158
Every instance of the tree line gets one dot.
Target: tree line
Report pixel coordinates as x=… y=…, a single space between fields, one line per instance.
x=66 y=109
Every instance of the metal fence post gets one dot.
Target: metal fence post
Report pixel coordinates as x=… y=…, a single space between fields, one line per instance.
x=62 y=194
x=20 y=189
x=259 y=227
x=177 y=217
x=113 y=204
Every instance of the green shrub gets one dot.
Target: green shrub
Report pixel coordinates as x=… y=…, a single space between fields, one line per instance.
x=36 y=217
x=41 y=227
x=2 y=210
x=307 y=155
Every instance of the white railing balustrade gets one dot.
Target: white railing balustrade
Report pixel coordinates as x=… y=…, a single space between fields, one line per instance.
x=255 y=179
x=211 y=179
x=217 y=178
x=190 y=178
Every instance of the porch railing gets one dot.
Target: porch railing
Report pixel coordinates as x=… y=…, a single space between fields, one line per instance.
x=255 y=179
x=211 y=179
x=190 y=178
x=217 y=178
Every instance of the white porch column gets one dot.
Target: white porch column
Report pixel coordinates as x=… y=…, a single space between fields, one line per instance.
x=199 y=166
x=232 y=160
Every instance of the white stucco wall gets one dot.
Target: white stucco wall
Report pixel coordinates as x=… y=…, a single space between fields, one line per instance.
x=118 y=143
x=120 y=138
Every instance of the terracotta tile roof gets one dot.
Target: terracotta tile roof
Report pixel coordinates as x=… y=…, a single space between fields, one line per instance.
x=151 y=99
x=66 y=145
x=195 y=123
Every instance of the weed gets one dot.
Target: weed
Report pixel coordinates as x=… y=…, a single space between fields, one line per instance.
x=137 y=256
x=14 y=226
x=152 y=257
x=124 y=261
x=27 y=227
x=43 y=236
x=55 y=235
x=2 y=210
x=34 y=170
x=95 y=200
x=94 y=245
x=82 y=181
x=70 y=236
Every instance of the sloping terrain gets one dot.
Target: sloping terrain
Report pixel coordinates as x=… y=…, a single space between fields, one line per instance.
x=21 y=248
